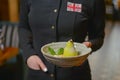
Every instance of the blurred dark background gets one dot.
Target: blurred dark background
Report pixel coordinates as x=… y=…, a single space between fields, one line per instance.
x=105 y=63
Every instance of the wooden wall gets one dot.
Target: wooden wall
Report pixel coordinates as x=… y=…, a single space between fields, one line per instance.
x=4 y=12
x=9 y=10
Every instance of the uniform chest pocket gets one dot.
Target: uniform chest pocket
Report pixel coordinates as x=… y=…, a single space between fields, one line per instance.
x=81 y=22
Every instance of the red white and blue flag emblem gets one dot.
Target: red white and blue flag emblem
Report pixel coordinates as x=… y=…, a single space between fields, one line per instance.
x=74 y=7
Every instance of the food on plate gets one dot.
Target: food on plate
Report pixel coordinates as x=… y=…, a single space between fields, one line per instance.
x=60 y=51
x=68 y=51
x=51 y=50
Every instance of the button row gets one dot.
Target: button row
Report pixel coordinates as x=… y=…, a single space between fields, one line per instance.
x=52 y=27
x=51 y=75
x=55 y=10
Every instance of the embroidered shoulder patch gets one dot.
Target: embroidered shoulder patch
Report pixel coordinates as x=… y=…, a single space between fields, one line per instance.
x=74 y=7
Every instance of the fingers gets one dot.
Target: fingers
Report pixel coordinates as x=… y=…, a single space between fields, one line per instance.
x=88 y=44
x=34 y=62
x=42 y=65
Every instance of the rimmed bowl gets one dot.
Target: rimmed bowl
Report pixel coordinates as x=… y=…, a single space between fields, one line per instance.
x=66 y=61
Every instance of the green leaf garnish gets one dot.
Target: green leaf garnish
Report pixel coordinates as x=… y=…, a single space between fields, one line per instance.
x=60 y=51
x=52 y=52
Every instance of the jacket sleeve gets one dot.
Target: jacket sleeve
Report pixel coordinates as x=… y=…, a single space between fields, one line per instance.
x=25 y=35
x=96 y=25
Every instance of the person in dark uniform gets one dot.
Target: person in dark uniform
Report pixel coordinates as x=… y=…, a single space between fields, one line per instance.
x=116 y=10
x=45 y=21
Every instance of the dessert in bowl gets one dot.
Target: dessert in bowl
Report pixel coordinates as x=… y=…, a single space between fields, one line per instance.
x=64 y=54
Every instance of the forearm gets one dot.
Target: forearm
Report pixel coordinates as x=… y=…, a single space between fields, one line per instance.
x=26 y=43
x=25 y=35
x=96 y=43
x=96 y=25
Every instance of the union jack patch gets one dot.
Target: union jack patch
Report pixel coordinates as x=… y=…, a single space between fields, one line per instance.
x=74 y=7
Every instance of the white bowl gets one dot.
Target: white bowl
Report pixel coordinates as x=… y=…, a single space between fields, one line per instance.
x=66 y=61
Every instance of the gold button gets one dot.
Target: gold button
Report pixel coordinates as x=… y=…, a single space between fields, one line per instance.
x=55 y=10
x=53 y=27
x=51 y=75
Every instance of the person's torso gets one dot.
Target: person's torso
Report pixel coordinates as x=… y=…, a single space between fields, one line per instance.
x=58 y=20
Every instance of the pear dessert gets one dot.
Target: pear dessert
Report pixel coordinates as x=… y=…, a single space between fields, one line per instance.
x=66 y=54
x=69 y=50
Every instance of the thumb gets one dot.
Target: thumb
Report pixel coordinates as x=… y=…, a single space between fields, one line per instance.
x=88 y=44
x=42 y=65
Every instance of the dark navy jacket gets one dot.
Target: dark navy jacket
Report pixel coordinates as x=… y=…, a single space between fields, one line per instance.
x=44 y=21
